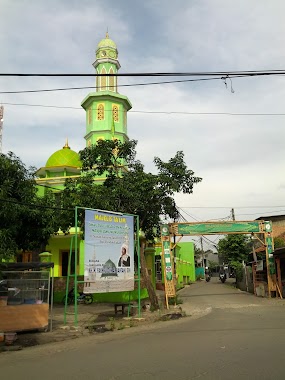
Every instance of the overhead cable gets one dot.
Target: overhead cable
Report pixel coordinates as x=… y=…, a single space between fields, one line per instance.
x=151 y=112
x=224 y=74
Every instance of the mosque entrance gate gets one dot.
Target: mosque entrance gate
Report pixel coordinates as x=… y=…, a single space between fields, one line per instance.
x=261 y=229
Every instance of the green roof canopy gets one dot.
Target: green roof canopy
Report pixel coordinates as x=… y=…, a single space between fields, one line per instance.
x=64 y=157
x=107 y=42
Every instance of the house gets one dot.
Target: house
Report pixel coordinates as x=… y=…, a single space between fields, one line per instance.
x=278 y=224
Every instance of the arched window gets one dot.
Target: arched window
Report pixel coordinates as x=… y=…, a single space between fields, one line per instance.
x=100 y=111
x=112 y=80
x=115 y=109
x=89 y=113
x=103 y=80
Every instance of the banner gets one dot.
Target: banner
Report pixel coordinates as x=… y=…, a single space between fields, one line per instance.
x=109 y=252
x=217 y=228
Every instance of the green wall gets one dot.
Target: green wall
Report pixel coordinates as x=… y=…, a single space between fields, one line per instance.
x=61 y=242
x=185 y=263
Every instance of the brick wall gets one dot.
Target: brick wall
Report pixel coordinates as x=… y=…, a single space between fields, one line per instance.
x=278 y=228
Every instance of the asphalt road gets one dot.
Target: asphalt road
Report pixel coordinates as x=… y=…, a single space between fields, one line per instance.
x=230 y=335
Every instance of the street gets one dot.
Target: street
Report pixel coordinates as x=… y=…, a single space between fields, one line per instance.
x=229 y=335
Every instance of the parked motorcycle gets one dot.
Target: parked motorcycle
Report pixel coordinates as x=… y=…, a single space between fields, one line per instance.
x=208 y=277
x=81 y=298
x=223 y=277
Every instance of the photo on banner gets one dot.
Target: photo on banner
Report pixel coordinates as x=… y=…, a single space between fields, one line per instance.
x=109 y=252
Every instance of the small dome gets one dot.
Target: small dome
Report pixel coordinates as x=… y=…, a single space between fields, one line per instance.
x=107 y=42
x=109 y=269
x=64 y=157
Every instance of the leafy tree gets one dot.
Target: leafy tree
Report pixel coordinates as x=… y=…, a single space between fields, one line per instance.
x=26 y=221
x=234 y=248
x=212 y=265
x=129 y=189
x=279 y=242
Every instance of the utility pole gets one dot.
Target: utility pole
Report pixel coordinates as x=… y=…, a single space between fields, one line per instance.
x=202 y=250
x=1 y=126
x=233 y=214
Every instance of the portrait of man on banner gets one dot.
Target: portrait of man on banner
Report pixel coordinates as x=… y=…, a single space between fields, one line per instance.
x=124 y=260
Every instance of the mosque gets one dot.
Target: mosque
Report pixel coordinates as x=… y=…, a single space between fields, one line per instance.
x=106 y=118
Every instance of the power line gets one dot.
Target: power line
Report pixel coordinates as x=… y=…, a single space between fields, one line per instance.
x=265 y=212
x=151 y=112
x=236 y=207
x=224 y=74
x=213 y=76
x=99 y=87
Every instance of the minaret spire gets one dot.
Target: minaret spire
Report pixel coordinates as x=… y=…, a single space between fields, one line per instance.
x=66 y=146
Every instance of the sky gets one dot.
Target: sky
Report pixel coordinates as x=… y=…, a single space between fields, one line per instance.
x=240 y=158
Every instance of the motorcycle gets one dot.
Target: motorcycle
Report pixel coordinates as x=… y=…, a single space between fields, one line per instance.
x=223 y=277
x=208 y=277
x=81 y=298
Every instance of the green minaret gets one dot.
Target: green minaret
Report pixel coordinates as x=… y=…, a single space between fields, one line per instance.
x=106 y=109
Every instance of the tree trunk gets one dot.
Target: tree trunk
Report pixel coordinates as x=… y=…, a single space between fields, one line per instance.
x=144 y=272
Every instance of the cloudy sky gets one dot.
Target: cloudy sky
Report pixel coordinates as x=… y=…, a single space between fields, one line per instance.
x=240 y=158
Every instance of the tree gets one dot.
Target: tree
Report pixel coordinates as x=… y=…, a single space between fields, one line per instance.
x=234 y=248
x=26 y=221
x=279 y=242
x=129 y=189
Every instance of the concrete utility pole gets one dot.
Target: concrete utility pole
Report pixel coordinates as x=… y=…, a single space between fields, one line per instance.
x=233 y=214
x=1 y=126
x=202 y=249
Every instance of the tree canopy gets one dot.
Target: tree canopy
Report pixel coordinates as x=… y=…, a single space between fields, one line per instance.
x=26 y=221
x=234 y=248
x=127 y=187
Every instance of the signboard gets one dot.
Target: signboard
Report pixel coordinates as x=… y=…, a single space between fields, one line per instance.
x=217 y=228
x=167 y=264
x=269 y=247
x=259 y=266
x=109 y=252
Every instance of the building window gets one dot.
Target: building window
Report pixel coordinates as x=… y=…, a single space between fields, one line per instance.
x=90 y=115
x=64 y=262
x=89 y=143
x=112 y=80
x=100 y=112
x=115 y=109
x=103 y=80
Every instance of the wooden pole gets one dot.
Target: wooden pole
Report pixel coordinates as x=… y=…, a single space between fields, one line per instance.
x=254 y=277
x=279 y=275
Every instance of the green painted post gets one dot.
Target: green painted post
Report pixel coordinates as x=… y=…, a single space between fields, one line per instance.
x=67 y=280
x=75 y=271
x=139 y=266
